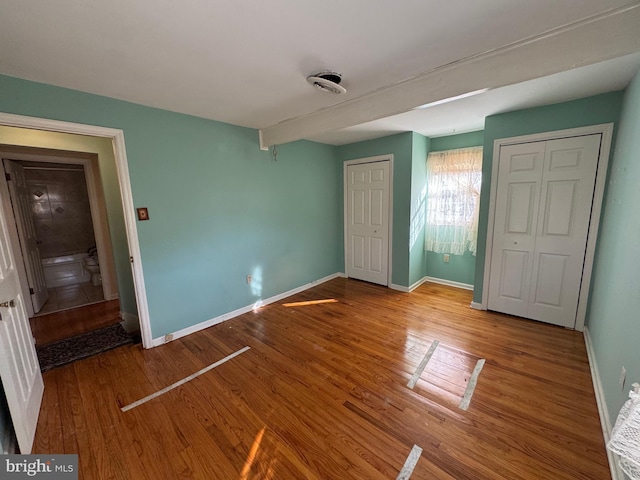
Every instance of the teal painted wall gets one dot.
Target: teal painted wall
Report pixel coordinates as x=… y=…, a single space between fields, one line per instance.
x=594 y=110
x=461 y=140
x=219 y=207
x=401 y=146
x=612 y=319
x=410 y=261
x=417 y=253
x=461 y=268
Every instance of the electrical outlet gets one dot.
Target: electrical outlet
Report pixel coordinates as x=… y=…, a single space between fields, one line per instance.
x=445 y=258
x=249 y=278
x=623 y=377
x=168 y=337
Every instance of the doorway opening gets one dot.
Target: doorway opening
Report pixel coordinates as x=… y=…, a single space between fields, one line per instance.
x=31 y=132
x=60 y=231
x=59 y=215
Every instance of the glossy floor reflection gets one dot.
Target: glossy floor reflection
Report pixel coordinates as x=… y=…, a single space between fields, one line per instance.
x=322 y=394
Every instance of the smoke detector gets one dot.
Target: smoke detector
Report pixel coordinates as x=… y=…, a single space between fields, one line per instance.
x=327 y=82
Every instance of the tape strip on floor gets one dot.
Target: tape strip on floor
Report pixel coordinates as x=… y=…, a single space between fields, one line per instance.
x=471 y=385
x=410 y=463
x=183 y=381
x=423 y=364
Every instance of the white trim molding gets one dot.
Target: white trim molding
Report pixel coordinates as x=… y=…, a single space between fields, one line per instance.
x=129 y=322
x=399 y=288
x=410 y=288
x=606 y=130
x=417 y=284
x=605 y=421
x=122 y=169
x=476 y=306
x=240 y=311
x=450 y=283
x=439 y=281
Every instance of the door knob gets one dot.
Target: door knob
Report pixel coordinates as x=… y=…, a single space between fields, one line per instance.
x=9 y=304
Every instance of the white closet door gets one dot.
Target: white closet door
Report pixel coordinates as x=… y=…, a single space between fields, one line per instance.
x=543 y=208
x=368 y=222
x=518 y=197
x=568 y=182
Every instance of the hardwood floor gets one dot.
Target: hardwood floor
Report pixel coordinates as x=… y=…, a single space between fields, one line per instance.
x=322 y=394
x=67 y=323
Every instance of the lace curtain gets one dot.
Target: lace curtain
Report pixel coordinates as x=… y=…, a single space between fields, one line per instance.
x=625 y=437
x=453 y=194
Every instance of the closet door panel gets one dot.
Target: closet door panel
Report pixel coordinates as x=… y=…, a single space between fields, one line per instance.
x=518 y=197
x=568 y=182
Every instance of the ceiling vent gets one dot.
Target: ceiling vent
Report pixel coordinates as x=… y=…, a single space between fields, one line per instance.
x=327 y=82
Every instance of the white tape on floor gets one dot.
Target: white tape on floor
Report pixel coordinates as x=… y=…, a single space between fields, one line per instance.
x=183 y=381
x=471 y=386
x=410 y=463
x=423 y=364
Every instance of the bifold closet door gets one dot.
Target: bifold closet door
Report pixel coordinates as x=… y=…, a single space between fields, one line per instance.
x=543 y=208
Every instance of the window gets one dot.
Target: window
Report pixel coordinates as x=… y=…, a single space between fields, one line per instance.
x=453 y=194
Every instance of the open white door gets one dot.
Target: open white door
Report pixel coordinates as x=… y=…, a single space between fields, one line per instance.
x=20 y=199
x=19 y=368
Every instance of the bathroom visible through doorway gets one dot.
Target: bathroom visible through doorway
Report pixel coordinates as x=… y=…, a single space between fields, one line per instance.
x=60 y=225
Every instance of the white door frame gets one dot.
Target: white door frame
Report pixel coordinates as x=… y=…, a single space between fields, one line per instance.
x=122 y=169
x=606 y=130
x=358 y=161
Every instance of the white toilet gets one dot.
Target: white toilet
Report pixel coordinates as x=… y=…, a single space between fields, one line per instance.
x=92 y=266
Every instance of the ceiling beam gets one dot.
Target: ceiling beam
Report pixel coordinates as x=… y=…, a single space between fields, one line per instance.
x=601 y=37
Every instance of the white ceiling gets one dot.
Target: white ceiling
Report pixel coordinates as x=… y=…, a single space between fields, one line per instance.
x=245 y=61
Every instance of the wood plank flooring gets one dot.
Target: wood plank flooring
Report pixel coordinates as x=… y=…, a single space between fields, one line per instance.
x=67 y=323
x=322 y=394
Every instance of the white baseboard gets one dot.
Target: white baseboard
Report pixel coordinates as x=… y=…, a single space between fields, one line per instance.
x=418 y=283
x=240 y=311
x=476 y=306
x=400 y=288
x=129 y=322
x=450 y=283
x=605 y=421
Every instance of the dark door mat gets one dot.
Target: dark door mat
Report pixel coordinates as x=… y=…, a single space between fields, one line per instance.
x=70 y=349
